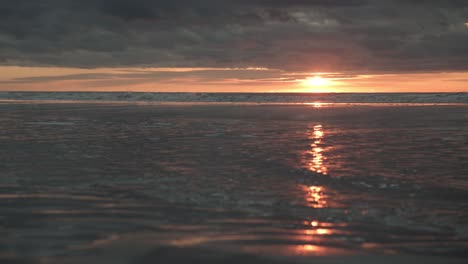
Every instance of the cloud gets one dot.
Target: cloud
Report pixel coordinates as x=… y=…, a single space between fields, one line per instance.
x=297 y=35
x=202 y=75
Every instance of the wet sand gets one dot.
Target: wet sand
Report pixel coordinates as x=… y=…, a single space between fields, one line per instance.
x=185 y=183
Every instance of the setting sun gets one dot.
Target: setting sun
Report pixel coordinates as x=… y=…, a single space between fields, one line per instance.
x=316 y=84
x=317 y=81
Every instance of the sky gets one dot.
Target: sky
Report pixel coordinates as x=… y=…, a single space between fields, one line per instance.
x=234 y=45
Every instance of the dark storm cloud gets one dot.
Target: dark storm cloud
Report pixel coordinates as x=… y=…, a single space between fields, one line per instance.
x=294 y=35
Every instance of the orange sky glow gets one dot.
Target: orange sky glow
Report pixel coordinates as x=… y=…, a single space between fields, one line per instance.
x=13 y=78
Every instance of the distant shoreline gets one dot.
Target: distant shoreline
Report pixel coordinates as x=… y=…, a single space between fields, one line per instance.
x=242 y=97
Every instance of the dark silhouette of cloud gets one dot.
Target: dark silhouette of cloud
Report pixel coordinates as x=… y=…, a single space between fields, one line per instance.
x=294 y=35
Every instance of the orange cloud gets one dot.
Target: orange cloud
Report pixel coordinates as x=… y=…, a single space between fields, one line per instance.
x=221 y=80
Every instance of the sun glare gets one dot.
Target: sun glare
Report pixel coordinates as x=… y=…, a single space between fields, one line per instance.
x=317 y=81
x=316 y=84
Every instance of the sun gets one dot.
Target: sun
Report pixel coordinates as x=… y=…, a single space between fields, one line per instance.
x=316 y=81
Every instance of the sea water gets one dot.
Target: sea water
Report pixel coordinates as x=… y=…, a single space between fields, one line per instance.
x=176 y=183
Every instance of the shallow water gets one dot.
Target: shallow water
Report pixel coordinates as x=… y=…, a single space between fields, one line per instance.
x=126 y=183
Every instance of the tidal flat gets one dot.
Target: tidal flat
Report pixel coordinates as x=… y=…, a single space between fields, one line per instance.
x=230 y=183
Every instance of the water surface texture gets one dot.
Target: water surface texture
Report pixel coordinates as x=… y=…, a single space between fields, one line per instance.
x=186 y=183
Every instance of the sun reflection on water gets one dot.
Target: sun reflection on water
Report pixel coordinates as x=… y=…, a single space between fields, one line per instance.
x=317 y=164
x=316 y=197
x=317 y=104
x=318 y=231
x=318 y=250
x=315 y=160
x=308 y=248
x=315 y=233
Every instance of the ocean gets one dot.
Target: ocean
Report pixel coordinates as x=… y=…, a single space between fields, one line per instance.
x=229 y=178
x=282 y=98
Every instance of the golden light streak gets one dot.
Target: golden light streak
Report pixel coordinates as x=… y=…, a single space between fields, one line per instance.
x=317 y=164
x=319 y=231
x=322 y=231
x=316 y=197
x=318 y=250
x=316 y=104
x=311 y=248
